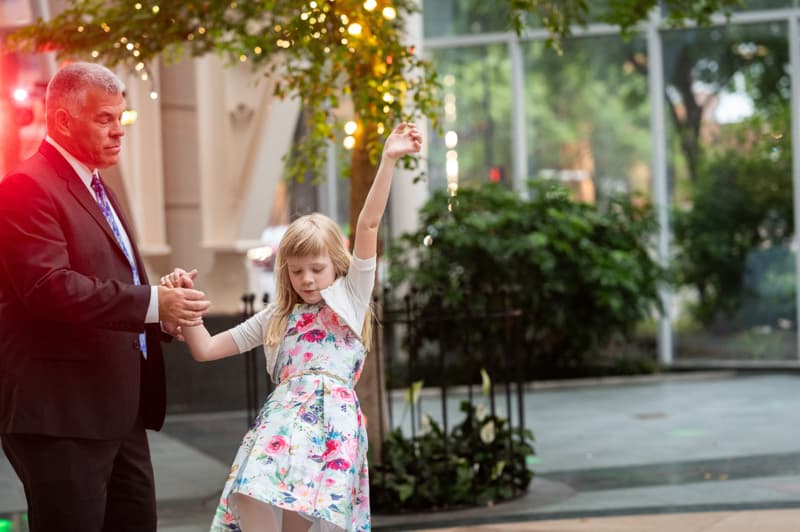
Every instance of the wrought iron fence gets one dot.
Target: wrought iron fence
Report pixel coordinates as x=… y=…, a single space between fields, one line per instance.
x=467 y=354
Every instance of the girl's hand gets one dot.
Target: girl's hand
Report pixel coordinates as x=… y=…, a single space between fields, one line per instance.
x=179 y=278
x=173 y=330
x=403 y=140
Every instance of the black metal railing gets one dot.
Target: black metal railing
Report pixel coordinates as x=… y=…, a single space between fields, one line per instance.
x=452 y=350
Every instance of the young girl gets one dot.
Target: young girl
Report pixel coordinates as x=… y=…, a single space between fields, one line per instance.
x=304 y=459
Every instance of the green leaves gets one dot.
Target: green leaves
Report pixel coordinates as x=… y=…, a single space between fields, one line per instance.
x=582 y=275
x=559 y=17
x=412 y=393
x=483 y=460
x=312 y=51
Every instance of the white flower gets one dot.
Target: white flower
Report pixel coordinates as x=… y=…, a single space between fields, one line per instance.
x=426 y=423
x=480 y=412
x=487 y=432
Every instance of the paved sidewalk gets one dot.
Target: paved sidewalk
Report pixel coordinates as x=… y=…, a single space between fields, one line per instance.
x=742 y=521
x=696 y=452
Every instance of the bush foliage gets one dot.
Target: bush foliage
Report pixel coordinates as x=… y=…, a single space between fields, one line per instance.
x=582 y=274
x=482 y=460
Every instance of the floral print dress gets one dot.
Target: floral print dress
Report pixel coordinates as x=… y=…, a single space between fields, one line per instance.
x=306 y=451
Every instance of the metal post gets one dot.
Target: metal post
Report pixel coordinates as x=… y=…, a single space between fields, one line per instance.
x=251 y=384
x=794 y=61
x=518 y=138
x=655 y=79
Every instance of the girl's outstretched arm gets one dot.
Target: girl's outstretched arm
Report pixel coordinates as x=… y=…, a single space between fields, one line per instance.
x=203 y=346
x=404 y=140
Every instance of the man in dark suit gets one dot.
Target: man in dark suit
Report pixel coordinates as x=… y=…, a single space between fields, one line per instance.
x=81 y=369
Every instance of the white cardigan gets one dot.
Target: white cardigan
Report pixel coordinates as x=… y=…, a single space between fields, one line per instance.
x=349 y=297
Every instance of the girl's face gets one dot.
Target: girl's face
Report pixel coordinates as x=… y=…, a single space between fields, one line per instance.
x=310 y=275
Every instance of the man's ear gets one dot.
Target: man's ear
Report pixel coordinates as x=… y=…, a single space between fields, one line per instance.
x=62 y=122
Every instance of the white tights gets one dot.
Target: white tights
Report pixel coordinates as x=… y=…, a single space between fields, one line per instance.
x=255 y=516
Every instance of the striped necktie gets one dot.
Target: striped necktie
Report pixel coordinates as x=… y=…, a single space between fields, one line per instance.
x=105 y=206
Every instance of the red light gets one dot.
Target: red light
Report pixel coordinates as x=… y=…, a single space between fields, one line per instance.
x=20 y=95
x=495 y=174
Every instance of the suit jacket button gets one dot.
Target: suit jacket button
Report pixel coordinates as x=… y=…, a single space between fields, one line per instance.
x=135 y=345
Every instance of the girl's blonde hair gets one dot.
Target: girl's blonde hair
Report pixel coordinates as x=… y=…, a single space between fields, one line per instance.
x=311 y=235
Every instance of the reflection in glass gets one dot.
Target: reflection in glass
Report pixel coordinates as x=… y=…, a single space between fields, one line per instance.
x=476 y=146
x=595 y=12
x=755 y=5
x=728 y=98
x=588 y=117
x=588 y=126
x=447 y=18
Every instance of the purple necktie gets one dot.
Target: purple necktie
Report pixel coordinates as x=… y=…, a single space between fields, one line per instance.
x=102 y=201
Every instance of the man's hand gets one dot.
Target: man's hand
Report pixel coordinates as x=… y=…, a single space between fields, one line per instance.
x=181 y=307
x=178 y=278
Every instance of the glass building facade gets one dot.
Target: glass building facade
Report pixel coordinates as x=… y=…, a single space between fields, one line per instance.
x=698 y=120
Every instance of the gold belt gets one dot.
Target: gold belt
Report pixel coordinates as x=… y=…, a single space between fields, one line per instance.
x=317 y=372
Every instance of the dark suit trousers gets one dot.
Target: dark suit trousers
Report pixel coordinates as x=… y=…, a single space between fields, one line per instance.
x=85 y=485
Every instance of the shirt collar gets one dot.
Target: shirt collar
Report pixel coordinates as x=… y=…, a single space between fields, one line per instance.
x=83 y=171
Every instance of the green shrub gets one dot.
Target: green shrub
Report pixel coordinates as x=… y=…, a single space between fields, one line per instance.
x=582 y=275
x=482 y=460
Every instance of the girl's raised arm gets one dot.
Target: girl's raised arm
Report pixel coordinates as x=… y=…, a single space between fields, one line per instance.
x=404 y=140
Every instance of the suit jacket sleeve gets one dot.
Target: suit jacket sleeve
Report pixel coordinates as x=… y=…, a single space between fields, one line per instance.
x=59 y=263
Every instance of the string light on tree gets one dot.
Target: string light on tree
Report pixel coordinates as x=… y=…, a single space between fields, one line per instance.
x=358 y=39
x=129 y=117
x=451 y=140
x=350 y=128
x=20 y=95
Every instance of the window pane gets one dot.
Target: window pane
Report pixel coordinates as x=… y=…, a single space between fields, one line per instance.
x=597 y=12
x=588 y=126
x=728 y=97
x=446 y=18
x=588 y=117
x=477 y=94
x=754 y=5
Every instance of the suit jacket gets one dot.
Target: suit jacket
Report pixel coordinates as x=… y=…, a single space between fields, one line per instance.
x=70 y=315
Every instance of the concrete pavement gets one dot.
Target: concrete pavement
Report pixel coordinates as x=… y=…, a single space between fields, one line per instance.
x=720 y=449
